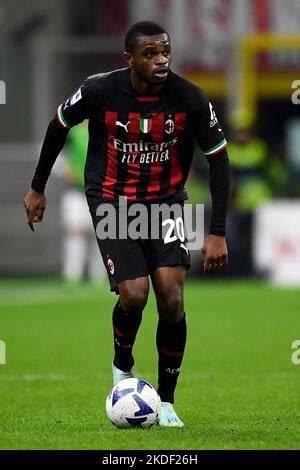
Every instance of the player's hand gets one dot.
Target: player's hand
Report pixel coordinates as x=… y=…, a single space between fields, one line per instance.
x=214 y=253
x=35 y=205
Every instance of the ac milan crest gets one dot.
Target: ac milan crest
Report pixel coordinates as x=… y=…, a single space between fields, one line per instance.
x=110 y=266
x=169 y=126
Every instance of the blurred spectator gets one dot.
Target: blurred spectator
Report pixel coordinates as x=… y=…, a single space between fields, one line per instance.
x=249 y=160
x=256 y=178
x=80 y=250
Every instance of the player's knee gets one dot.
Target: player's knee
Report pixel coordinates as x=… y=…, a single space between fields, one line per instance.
x=170 y=305
x=134 y=297
x=134 y=302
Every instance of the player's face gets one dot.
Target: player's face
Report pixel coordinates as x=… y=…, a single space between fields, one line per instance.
x=151 y=59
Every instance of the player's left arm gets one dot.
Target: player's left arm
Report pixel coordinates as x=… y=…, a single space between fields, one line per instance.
x=214 y=250
x=213 y=144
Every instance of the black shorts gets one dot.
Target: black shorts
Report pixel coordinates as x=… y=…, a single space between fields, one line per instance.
x=130 y=256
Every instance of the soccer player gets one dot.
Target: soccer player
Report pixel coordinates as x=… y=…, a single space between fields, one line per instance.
x=142 y=123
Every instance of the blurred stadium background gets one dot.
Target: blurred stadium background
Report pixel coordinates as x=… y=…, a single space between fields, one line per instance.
x=245 y=54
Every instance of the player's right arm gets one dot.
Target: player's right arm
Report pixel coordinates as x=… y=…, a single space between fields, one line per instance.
x=71 y=112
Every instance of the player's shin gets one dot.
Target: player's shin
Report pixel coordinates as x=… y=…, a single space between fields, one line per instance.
x=170 y=341
x=125 y=326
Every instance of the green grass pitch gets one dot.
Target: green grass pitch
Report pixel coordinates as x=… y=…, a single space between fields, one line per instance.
x=238 y=388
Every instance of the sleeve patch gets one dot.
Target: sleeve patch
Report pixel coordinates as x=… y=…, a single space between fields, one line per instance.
x=76 y=97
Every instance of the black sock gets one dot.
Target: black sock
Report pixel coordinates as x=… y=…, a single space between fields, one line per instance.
x=125 y=326
x=170 y=341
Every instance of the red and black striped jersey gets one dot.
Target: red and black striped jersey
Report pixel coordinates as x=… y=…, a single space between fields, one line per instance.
x=141 y=147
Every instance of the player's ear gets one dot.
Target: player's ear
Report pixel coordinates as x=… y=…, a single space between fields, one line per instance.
x=128 y=57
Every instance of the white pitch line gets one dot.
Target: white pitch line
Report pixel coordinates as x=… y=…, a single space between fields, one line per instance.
x=191 y=377
x=46 y=378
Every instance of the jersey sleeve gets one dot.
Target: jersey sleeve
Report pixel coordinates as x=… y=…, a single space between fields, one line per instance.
x=207 y=129
x=77 y=107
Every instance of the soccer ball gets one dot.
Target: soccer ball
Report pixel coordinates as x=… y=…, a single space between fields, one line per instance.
x=133 y=403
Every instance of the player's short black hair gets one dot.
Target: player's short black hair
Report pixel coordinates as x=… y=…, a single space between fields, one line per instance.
x=143 y=28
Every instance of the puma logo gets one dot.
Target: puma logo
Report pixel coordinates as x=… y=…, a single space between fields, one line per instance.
x=118 y=123
x=184 y=247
